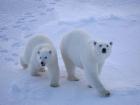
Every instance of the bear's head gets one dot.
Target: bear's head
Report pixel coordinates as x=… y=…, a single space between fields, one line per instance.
x=102 y=49
x=44 y=55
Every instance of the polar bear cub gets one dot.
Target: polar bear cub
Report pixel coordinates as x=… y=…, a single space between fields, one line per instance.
x=40 y=52
x=78 y=50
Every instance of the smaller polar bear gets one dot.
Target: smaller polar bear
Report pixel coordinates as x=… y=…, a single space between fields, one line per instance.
x=78 y=50
x=40 y=52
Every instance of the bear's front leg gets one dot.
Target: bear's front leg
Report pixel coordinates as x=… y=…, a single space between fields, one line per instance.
x=100 y=65
x=33 y=70
x=54 y=74
x=42 y=70
x=92 y=75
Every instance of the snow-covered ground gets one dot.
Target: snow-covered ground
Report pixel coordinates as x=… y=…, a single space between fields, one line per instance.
x=108 y=20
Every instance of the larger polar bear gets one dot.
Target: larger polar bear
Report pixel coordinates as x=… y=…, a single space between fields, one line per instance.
x=40 y=52
x=78 y=50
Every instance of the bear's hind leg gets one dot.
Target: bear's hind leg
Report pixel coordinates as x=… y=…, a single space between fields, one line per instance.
x=22 y=62
x=70 y=67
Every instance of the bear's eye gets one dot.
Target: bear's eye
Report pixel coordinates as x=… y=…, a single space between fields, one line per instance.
x=107 y=45
x=38 y=52
x=46 y=57
x=100 y=45
x=111 y=43
x=40 y=57
x=94 y=42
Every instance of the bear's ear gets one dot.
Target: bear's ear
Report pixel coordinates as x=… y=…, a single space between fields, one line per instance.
x=50 y=52
x=94 y=43
x=111 y=43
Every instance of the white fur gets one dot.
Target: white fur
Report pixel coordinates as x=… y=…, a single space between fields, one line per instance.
x=78 y=50
x=35 y=52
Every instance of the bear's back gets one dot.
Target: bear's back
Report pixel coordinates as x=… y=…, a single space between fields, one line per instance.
x=75 y=39
x=33 y=42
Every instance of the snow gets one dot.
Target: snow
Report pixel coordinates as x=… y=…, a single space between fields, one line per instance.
x=117 y=21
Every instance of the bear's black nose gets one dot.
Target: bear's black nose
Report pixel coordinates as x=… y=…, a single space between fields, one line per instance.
x=104 y=50
x=42 y=63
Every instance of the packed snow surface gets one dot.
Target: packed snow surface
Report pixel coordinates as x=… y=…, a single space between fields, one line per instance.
x=117 y=21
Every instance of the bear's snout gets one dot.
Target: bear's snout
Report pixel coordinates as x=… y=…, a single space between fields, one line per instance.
x=42 y=63
x=104 y=50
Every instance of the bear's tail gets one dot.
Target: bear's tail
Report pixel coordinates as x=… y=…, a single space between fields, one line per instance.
x=23 y=64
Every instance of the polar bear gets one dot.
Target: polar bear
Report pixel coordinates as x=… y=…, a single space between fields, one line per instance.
x=78 y=50
x=40 y=52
